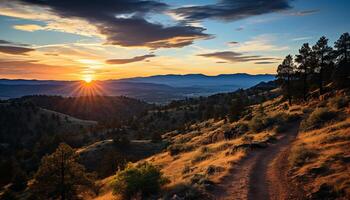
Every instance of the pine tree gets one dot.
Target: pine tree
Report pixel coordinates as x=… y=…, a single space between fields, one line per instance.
x=305 y=58
x=285 y=72
x=342 y=70
x=60 y=175
x=323 y=55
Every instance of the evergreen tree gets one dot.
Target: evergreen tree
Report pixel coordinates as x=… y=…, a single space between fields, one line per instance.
x=285 y=73
x=342 y=70
x=59 y=175
x=305 y=58
x=323 y=55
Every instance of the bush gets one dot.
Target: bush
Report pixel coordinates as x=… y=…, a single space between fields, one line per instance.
x=318 y=118
x=143 y=179
x=300 y=155
x=338 y=102
x=178 y=148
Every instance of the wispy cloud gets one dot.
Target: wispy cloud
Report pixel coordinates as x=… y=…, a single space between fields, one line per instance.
x=304 y=12
x=235 y=57
x=301 y=38
x=129 y=60
x=259 y=43
x=28 y=27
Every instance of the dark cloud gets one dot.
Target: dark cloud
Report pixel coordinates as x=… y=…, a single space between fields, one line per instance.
x=230 y=10
x=15 y=50
x=2 y=42
x=265 y=62
x=233 y=42
x=239 y=29
x=123 y=21
x=5 y=42
x=129 y=60
x=221 y=62
x=233 y=57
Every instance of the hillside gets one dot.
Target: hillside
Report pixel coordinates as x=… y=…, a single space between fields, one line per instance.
x=210 y=159
x=99 y=108
x=28 y=132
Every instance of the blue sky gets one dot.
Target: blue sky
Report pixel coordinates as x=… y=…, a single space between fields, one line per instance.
x=62 y=44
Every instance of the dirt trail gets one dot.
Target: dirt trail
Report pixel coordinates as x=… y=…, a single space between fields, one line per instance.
x=262 y=175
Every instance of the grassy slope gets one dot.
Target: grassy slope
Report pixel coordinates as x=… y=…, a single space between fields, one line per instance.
x=320 y=158
x=205 y=150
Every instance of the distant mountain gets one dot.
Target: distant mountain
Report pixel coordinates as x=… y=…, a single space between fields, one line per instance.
x=199 y=80
x=155 y=89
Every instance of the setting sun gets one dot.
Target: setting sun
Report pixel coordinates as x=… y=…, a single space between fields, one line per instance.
x=87 y=79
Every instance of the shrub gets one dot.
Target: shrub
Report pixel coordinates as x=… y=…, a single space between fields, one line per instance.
x=300 y=155
x=318 y=118
x=256 y=124
x=338 y=102
x=178 y=148
x=143 y=179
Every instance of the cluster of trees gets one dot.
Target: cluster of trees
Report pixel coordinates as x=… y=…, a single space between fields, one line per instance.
x=314 y=67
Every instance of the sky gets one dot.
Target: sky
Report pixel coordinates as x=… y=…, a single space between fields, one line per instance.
x=113 y=39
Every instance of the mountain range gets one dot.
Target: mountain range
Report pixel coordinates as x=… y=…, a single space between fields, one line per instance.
x=155 y=89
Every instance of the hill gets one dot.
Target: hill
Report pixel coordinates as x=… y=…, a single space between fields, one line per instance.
x=29 y=132
x=104 y=109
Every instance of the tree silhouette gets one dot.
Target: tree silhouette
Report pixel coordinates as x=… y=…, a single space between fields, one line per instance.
x=323 y=55
x=285 y=72
x=341 y=73
x=60 y=176
x=305 y=58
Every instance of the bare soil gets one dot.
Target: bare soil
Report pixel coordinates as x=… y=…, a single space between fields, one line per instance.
x=262 y=175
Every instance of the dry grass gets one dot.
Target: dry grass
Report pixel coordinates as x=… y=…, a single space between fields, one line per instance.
x=321 y=160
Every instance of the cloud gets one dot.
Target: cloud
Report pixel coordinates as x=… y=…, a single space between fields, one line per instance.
x=229 y=10
x=259 y=43
x=265 y=62
x=240 y=28
x=28 y=27
x=305 y=12
x=33 y=67
x=129 y=60
x=234 y=57
x=15 y=50
x=301 y=38
x=124 y=23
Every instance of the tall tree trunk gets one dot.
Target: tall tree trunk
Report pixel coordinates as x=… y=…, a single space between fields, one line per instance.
x=305 y=85
x=321 y=77
x=288 y=91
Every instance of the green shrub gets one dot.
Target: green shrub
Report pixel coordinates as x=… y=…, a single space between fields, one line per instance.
x=318 y=118
x=256 y=124
x=300 y=155
x=143 y=179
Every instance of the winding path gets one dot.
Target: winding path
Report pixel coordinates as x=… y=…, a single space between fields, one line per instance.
x=262 y=175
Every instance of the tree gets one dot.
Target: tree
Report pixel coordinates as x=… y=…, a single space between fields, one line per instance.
x=342 y=46
x=306 y=60
x=342 y=70
x=323 y=55
x=285 y=72
x=60 y=176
